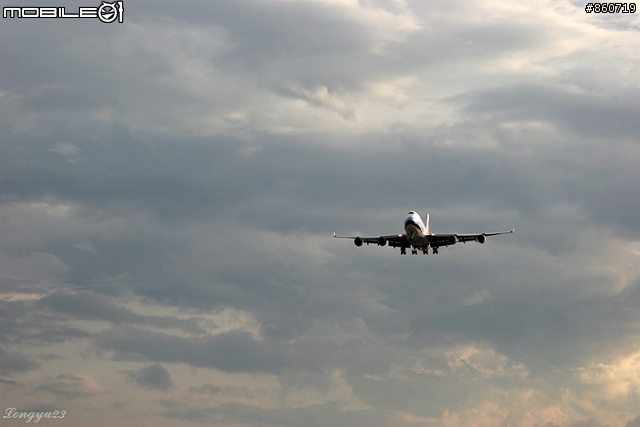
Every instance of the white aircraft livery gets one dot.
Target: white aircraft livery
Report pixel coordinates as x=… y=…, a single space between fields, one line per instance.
x=418 y=237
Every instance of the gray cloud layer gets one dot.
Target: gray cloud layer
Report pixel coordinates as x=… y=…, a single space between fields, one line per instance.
x=168 y=189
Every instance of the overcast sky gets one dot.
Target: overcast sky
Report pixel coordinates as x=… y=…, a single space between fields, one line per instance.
x=169 y=187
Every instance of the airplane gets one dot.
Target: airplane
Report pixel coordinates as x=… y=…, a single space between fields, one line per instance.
x=419 y=237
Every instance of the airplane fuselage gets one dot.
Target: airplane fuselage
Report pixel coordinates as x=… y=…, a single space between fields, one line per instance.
x=414 y=226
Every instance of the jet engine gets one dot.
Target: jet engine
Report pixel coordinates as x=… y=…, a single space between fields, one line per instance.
x=382 y=241
x=357 y=241
x=481 y=238
x=452 y=240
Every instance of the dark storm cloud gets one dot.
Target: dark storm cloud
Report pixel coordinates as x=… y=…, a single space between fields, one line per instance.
x=601 y=174
x=11 y=363
x=10 y=316
x=115 y=200
x=540 y=327
x=234 y=351
x=153 y=377
x=22 y=323
x=192 y=181
x=260 y=179
x=589 y=116
x=287 y=48
x=89 y=305
x=219 y=182
x=263 y=34
x=218 y=178
x=328 y=44
x=114 y=173
x=54 y=333
x=9 y=382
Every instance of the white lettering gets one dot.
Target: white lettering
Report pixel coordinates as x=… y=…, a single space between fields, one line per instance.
x=48 y=12
x=63 y=14
x=33 y=416
x=12 y=11
x=26 y=10
x=107 y=12
x=88 y=12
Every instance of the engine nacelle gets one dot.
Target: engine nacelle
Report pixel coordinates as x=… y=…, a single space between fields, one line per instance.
x=382 y=241
x=357 y=241
x=452 y=240
x=481 y=238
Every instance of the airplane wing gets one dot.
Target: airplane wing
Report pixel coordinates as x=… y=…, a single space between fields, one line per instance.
x=423 y=242
x=448 y=239
x=394 y=240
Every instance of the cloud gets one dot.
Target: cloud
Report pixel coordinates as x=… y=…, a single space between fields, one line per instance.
x=226 y=394
x=153 y=377
x=478 y=297
x=70 y=386
x=12 y=363
x=67 y=149
x=588 y=115
x=87 y=305
x=634 y=422
x=234 y=351
x=169 y=186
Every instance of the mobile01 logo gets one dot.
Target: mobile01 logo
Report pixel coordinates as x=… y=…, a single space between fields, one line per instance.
x=106 y=12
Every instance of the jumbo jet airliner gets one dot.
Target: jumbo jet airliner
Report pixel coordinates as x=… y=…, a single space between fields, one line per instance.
x=418 y=237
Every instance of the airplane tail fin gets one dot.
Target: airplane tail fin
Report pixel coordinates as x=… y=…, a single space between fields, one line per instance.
x=427 y=225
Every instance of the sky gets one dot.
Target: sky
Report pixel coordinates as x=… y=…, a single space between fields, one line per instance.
x=170 y=185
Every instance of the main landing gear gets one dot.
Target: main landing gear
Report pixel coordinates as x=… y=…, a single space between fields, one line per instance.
x=403 y=251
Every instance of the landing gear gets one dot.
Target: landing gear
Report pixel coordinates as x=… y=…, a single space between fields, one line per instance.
x=414 y=251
